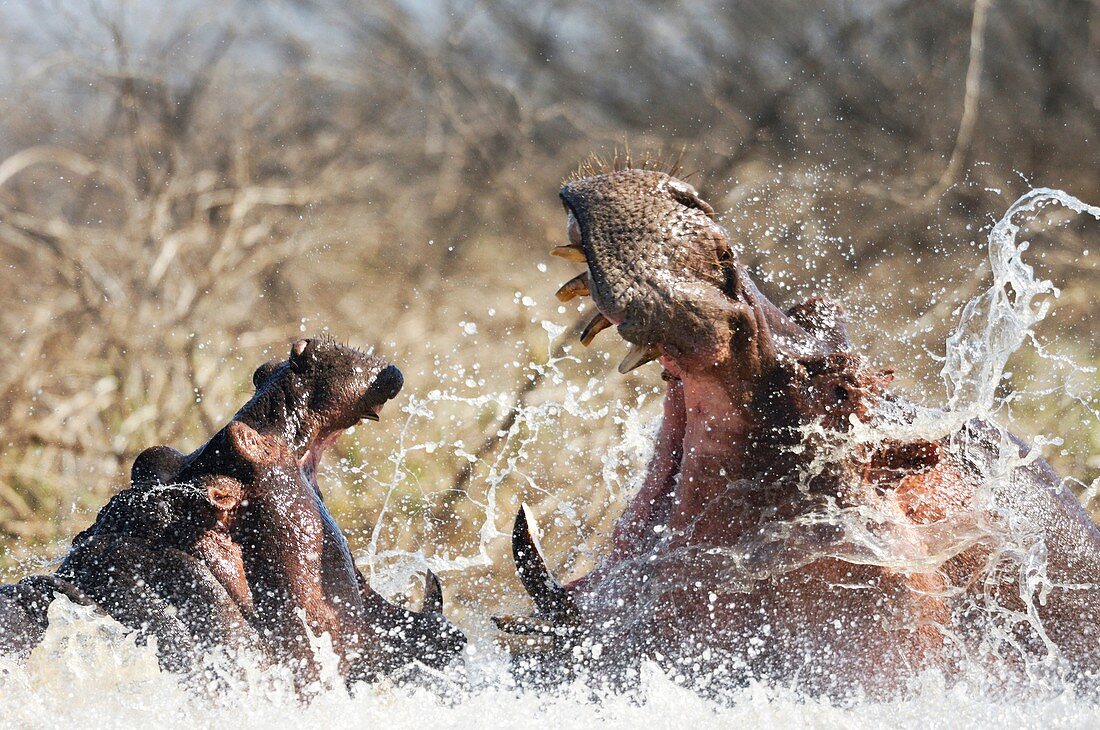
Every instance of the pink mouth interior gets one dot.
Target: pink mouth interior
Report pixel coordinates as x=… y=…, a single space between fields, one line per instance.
x=310 y=461
x=652 y=506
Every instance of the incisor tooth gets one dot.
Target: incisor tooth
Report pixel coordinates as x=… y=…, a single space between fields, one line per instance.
x=598 y=324
x=570 y=253
x=639 y=355
x=575 y=287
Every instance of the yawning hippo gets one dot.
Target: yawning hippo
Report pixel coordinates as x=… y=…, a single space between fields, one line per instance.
x=779 y=534
x=232 y=546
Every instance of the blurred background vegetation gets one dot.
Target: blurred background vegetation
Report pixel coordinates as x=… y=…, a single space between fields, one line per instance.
x=187 y=187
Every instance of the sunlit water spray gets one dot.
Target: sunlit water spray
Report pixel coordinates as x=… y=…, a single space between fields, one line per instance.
x=90 y=671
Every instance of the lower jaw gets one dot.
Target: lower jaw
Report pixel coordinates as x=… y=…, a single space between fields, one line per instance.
x=671 y=454
x=696 y=457
x=646 y=517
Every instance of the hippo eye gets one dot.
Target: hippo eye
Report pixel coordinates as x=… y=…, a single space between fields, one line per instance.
x=263 y=372
x=686 y=196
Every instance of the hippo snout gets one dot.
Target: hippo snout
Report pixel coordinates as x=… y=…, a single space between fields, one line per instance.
x=387 y=385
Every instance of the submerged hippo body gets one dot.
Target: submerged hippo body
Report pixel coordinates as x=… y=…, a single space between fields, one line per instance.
x=231 y=546
x=780 y=534
x=23 y=610
x=157 y=561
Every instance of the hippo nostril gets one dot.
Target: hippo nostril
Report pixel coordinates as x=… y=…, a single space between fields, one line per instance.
x=388 y=383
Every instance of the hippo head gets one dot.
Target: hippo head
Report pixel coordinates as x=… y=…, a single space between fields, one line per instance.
x=661 y=268
x=322 y=389
x=308 y=400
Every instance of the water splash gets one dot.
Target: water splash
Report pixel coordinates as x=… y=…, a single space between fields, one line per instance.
x=535 y=428
x=110 y=682
x=994 y=325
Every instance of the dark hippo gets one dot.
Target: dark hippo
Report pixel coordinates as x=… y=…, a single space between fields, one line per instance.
x=776 y=537
x=160 y=560
x=232 y=546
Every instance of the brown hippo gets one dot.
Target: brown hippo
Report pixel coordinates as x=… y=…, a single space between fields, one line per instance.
x=306 y=402
x=780 y=534
x=232 y=546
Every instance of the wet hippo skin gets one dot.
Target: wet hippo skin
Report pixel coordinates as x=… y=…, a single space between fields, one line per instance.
x=775 y=536
x=232 y=546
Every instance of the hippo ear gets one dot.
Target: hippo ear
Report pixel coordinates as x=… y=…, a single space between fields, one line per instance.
x=225 y=493
x=247 y=443
x=262 y=373
x=156 y=465
x=301 y=354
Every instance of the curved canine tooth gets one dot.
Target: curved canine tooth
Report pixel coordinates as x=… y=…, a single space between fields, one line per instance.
x=433 y=594
x=549 y=595
x=639 y=355
x=570 y=253
x=598 y=324
x=575 y=287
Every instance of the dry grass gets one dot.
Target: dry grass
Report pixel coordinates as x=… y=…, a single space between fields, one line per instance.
x=176 y=206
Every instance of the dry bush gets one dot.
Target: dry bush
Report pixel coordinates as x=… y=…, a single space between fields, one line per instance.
x=185 y=190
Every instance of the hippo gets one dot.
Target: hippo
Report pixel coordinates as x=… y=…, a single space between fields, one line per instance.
x=795 y=526
x=232 y=545
x=159 y=560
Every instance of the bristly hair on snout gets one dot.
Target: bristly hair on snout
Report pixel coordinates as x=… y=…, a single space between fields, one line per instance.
x=671 y=164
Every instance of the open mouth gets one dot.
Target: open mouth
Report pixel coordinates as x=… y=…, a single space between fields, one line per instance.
x=310 y=461
x=315 y=448
x=659 y=490
x=581 y=286
x=333 y=426
x=656 y=500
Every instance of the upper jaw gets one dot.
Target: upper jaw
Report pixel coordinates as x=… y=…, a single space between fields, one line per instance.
x=689 y=324
x=581 y=286
x=385 y=385
x=643 y=348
